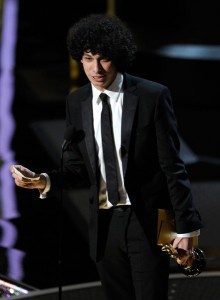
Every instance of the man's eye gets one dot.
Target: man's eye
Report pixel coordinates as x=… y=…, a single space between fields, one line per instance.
x=105 y=59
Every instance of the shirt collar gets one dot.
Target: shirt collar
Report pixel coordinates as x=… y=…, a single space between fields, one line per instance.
x=113 y=90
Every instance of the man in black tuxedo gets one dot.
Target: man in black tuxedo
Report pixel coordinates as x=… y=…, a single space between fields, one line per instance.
x=149 y=171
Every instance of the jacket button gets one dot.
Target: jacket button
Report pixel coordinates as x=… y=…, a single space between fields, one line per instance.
x=123 y=151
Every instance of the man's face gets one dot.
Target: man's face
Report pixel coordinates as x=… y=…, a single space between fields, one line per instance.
x=100 y=71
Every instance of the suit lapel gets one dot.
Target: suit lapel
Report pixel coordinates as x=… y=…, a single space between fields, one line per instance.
x=87 y=123
x=128 y=114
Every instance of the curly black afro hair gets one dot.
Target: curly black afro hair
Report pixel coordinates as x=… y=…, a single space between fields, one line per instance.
x=105 y=35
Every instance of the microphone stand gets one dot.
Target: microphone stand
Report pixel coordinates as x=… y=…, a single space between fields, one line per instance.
x=60 y=226
x=69 y=136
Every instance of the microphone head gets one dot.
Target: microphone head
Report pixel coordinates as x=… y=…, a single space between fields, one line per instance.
x=79 y=136
x=69 y=133
x=73 y=135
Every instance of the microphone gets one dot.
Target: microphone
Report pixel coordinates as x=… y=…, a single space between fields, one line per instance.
x=72 y=135
x=68 y=135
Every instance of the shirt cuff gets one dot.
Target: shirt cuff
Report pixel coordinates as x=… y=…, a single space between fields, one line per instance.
x=43 y=193
x=189 y=234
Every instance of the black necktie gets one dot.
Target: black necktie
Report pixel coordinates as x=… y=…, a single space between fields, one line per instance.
x=109 y=153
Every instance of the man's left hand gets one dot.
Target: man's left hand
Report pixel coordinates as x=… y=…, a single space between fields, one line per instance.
x=184 y=246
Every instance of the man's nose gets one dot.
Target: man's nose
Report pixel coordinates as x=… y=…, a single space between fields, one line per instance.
x=97 y=66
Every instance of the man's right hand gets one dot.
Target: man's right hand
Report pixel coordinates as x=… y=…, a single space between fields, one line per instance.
x=26 y=178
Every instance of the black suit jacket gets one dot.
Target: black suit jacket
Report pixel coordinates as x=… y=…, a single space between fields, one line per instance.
x=154 y=174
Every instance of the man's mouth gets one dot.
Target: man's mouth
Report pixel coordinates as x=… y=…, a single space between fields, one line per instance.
x=98 y=78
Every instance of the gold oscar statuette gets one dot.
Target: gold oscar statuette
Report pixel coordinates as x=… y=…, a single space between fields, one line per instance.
x=195 y=263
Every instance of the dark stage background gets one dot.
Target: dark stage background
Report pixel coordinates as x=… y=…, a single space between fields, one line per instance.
x=42 y=80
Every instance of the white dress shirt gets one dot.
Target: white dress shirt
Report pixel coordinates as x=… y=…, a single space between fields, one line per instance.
x=115 y=94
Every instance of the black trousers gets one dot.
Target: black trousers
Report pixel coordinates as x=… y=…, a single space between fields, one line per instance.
x=129 y=268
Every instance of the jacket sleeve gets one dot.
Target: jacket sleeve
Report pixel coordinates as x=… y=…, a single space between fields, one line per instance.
x=168 y=145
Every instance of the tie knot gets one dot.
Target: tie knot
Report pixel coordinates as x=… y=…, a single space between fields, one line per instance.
x=103 y=97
